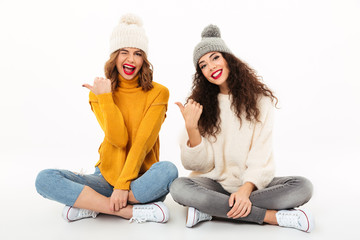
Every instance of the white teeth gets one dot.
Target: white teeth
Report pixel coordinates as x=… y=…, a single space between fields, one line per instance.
x=126 y=66
x=216 y=74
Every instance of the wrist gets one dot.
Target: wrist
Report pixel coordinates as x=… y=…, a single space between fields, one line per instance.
x=247 y=188
x=190 y=127
x=194 y=137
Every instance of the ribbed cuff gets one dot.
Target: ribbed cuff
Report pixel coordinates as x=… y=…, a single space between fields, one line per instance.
x=105 y=98
x=120 y=184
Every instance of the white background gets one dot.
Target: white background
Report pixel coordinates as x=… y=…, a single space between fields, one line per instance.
x=306 y=51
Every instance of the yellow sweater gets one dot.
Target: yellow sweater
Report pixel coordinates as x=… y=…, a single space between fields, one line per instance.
x=131 y=120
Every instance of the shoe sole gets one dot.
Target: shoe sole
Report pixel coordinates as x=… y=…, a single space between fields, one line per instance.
x=190 y=217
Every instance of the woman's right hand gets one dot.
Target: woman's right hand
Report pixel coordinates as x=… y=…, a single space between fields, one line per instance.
x=118 y=199
x=191 y=113
x=100 y=86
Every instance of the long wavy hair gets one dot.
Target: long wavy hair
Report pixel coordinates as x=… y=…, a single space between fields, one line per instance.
x=244 y=86
x=145 y=73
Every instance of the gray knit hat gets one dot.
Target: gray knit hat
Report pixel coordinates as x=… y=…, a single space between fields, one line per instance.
x=129 y=33
x=211 y=42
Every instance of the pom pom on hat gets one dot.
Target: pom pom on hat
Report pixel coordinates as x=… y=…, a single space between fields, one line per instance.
x=129 y=33
x=211 y=31
x=211 y=42
x=131 y=19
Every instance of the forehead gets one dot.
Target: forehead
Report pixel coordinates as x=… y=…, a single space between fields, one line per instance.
x=206 y=56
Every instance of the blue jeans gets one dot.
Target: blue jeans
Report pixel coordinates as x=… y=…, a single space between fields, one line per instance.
x=210 y=197
x=65 y=186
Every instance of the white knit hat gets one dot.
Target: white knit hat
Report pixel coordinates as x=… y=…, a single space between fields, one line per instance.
x=129 y=33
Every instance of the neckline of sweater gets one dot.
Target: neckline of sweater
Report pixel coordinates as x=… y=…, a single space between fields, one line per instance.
x=128 y=84
x=224 y=96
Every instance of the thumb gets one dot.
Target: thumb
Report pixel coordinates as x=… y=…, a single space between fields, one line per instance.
x=231 y=200
x=181 y=107
x=88 y=86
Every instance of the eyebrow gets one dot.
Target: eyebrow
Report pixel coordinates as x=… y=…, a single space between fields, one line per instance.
x=124 y=50
x=212 y=54
x=209 y=57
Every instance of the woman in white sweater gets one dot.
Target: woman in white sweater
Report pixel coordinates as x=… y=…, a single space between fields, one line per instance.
x=228 y=146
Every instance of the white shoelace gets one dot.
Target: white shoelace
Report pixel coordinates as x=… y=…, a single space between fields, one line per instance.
x=204 y=216
x=290 y=219
x=85 y=213
x=142 y=214
x=137 y=220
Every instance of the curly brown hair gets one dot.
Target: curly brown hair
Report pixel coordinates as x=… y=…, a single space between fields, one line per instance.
x=145 y=73
x=244 y=86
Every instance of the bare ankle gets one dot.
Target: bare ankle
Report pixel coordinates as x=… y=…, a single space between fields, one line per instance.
x=132 y=198
x=270 y=217
x=125 y=212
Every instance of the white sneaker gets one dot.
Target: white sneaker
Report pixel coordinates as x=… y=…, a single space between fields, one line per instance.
x=194 y=216
x=296 y=218
x=72 y=214
x=153 y=212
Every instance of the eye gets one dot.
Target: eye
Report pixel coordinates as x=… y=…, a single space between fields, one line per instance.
x=216 y=57
x=202 y=66
x=138 y=54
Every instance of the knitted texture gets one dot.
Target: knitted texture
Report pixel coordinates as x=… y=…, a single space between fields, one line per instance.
x=239 y=153
x=129 y=33
x=131 y=120
x=211 y=42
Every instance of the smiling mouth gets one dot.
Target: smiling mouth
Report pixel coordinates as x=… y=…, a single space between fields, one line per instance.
x=129 y=69
x=216 y=74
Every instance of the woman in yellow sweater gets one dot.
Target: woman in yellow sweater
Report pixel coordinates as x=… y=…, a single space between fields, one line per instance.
x=129 y=181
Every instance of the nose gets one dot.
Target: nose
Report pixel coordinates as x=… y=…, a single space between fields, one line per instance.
x=212 y=66
x=131 y=58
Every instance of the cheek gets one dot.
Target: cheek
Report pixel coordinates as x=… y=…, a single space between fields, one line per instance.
x=206 y=74
x=227 y=71
x=118 y=66
x=139 y=62
x=208 y=77
x=139 y=65
x=119 y=63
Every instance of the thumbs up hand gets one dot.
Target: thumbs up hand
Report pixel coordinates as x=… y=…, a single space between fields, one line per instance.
x=100 y=86
x=191 y=113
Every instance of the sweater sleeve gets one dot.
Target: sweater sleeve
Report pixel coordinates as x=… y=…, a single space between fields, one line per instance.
x=199 y=158
x=260 y=163
x=145 y=139
x=110 y=119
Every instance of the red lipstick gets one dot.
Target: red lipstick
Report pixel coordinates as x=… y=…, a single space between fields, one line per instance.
x=129 y=69
x=217 y=74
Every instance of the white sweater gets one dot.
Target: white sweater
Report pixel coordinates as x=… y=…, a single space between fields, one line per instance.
x=240 y=154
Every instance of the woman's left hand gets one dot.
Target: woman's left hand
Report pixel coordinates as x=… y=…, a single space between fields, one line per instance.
x=118 y=199
x=240 y=202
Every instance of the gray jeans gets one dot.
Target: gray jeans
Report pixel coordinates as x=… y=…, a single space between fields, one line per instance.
x=210 y=197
